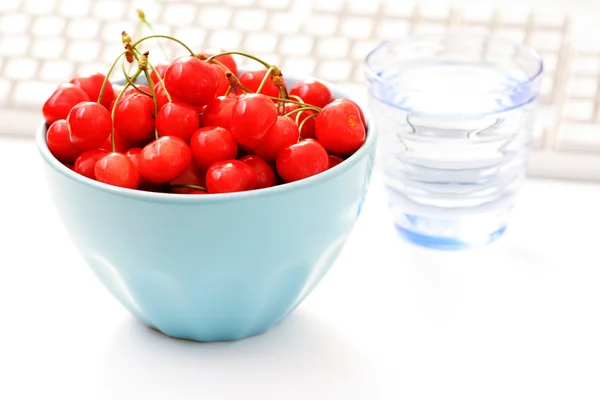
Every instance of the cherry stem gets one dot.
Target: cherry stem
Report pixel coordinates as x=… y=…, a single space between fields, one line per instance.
x=163 y=37
x=160 y=79
x=112 y=67
x=297 y=110
x=317 y=109
x=221 y=64
x=234 y=81
x=239 y=53
x=144 y=67
x=229 y=89
x=144 y=21
x=114 y=109
x=264 y=80
x=303 y=122
x=196 y=187
x=130 y=81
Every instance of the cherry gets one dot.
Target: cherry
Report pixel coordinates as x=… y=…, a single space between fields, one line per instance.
x=58 y=105
x=161 y=97
x=92 y=84
x=59 y=143
x=89 y=125
x=86 y=162
x=251 y=116
x=308 y=128
x=334 y=160
x=339 y=128
x=211 y=144
x=218 y=112
x=160 y=68
x=222 y=79
x=134 y=117
x=191 y=176
x=252 y=80
x=177 y=120
x=227 y=60
x=191 y=80
x=312 y=92
x=121 y=144
x=134 y=154
x=360 y=112
x=195 y=191
x=164 y=159
x=265 y=175
x=230 y=176
x=302 y=160
x=117 y=169
x=283 y=133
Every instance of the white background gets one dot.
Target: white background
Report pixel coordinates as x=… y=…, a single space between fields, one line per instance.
x=515 y=320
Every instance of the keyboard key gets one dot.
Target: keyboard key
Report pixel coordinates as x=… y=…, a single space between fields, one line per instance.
x=179 y=14
x=9 y=5
x=5 y=87
x=14 y=23
x=585 y=88
x=11 y=46
x=578 y=137
x=578 y=111
x=429 y=28
x=398 y=8
x=111 y=32
x=227 y=39
x=83 y=50
x=392 y=29
x=363 y=7
x=328 y=5
x=355 y=27
x=36 y=7
x=335 y=70
x=83 y=28
x=20 y=68
x=275 y=4
x=191 y=36
x=74 y=8
x=110 y=10
x=57 y=70
x=48 y=26
x=362 y=48
x=299 y=66
x=284 y=23
x=321 y=25
x=333 y=47
x=260 y=42
x=32 y=94
x=546 y=40
x=250 y=20
x=47 y=47
x=214 y=17
x=297 y=45
x=586 y=65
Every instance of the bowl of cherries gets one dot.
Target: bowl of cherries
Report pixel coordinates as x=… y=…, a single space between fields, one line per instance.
x=209 y=201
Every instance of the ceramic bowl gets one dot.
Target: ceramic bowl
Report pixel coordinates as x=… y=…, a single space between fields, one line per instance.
x=214 y=267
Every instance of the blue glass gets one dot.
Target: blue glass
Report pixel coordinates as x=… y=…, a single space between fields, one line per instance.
x=455 y=114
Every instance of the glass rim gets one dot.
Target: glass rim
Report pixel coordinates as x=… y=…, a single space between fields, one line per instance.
x=535 y=55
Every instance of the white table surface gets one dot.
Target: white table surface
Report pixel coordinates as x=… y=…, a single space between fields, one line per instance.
x=515 y=320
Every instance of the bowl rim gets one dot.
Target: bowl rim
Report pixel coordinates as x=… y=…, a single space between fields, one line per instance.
x=175 y=198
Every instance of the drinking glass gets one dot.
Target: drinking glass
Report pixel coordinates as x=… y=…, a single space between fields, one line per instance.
x=455 y=113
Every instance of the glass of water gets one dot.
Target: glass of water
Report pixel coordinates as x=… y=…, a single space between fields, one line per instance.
x=455 y=114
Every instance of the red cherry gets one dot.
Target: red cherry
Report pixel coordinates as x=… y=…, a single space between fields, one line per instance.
x=161 y=97
x=198 y=192
x=177 y=120
x=134 y=117
x=191 y=176
x=65 y=97
x=86 y=162
x=312 y=92
x=164 y=159
x=360 y=112
x=211 y=144
x=230 y=176
x=59 y=143
x=283 y=133
x=191 y=80
x=92 y=84
x=334 y=160
x=134 y=154
x=117 y=169
x=302 y=160
x=265 y=175
x=251 y=116
x=339 y=128
x=161 y=68
x=227 y=60
x=308 y=128
x=218 y=112
x=121 y=144
x=89 y=125
x=222 y=79
x=252 y=80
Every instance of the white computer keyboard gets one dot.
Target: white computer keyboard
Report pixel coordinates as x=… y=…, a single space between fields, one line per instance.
x=43 y=42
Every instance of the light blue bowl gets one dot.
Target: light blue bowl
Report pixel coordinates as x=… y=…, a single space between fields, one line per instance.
x=217 y=267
